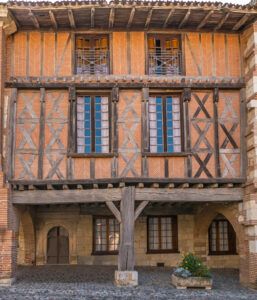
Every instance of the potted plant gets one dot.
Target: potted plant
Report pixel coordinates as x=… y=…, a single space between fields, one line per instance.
x=191 y=273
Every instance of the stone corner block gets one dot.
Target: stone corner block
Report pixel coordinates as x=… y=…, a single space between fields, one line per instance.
x=126 y=278
x=7 y=281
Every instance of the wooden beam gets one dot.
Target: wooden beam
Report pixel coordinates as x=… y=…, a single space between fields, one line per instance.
x=114 y=210
x=185 y=19
x=39 y=197
x=131 y=17
x=34 y=19
x=241 y=22
x=13 y=17
x=92 y=17
x=205 y=19
x=171 y=13
x=126 y=249
x=222 y=21
x=190 y=195
x=140 y=208
x=148 y=19
x=111 y=17
x=53 y=20
x=71 y=19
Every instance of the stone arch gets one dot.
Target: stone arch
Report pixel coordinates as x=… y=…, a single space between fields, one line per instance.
x=41 y=252
x=26 y=251
x=203 y=220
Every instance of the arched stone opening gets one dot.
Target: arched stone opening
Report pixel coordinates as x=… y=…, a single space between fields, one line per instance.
x=58 y=245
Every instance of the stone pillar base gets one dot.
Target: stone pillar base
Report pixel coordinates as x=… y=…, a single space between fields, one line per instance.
x=126 y=278
x=7 y=281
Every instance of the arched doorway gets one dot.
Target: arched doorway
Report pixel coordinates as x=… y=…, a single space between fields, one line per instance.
x=58 y=246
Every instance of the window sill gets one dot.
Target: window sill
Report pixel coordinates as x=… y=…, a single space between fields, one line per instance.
x=167 y=154
x=222 y=253
x=91 y=155
x=105 y=253
x=162 y=251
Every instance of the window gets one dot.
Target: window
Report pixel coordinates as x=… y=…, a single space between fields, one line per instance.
x=164 y=55
x=93 y=124
x=162 y=234
x=106 y=235
x=164 y=122
x=222 y=237
x=92 y=55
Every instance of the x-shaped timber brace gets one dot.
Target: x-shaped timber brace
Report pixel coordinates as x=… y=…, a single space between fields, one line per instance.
x=127 y=217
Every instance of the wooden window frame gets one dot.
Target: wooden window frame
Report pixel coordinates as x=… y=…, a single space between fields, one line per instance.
x=107 y=252
x=162 y=37
x=91 y=37
x=231 y=241
x=174 y=233
x=94 y=94
x=165 y=153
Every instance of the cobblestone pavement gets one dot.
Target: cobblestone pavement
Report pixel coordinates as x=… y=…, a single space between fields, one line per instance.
x=96 y=282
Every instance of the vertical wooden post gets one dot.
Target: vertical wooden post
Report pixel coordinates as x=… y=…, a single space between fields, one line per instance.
x=145 y=131
x=186 y=98
x=126 y=251
x=71 y=130
x=216 y=130
x=114 y=128
x=243 y=125
x=12 y=132
x=41 y=133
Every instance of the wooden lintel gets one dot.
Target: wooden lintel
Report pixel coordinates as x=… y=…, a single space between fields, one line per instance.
x=39 y=197
x=131 y=17
x=34 y=19
x=222 y=21
x=167 y=20
x=241 y=22
x=205 y=19
x=190 y=195
x=53 y=20
x=114 y=210
x=111 y=17
x=71 y=19
x=148 y=19
x=185 y=19
x=92 y=16
x=140 y=208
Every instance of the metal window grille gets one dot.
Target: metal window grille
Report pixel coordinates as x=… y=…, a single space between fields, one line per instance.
x=92 y=62
x=165 y=63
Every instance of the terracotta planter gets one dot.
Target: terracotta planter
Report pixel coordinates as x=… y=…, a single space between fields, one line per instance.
x=191 y=282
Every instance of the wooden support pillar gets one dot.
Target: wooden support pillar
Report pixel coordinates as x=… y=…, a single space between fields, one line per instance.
x=126 y=251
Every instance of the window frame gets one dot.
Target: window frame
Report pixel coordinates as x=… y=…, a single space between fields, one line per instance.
x=91 y=37
x=182 y=142
x=162 y=37
x=94 y=94
x=231 y=241
x=107 y=252
x=174 y=235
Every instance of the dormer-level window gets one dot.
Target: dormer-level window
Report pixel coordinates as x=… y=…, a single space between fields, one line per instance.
x=164 y=55
x=92 y=55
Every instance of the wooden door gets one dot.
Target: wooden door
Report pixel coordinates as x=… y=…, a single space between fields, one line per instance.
x=58 y=246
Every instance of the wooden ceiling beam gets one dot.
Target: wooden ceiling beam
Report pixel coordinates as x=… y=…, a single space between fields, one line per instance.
x=171 y=13
x=241 y=22
x=92 y=17
x=13 y=17
x=131 y=17
x=222 y=21
x=53 y=20
x=185 y=19
x=111 y=17
x=148 y=19
x=71 y=19
x=34 y=19
x=205 y=19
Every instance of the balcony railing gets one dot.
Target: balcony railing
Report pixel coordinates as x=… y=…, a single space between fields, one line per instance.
x=165 y=63
x=92 y=62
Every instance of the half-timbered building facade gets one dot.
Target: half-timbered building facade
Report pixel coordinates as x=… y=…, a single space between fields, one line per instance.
x=128 y=135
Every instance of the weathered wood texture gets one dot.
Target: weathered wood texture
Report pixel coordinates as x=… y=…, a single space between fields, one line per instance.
x=212 y=54
x=40 y=54
x=126 y=250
